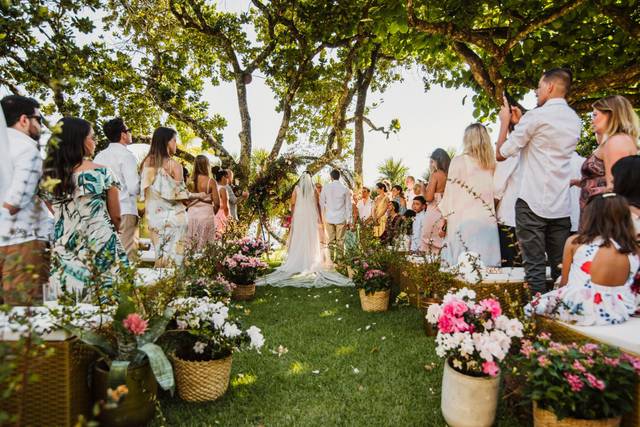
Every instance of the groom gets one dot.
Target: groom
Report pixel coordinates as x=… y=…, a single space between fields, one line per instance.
x=335 y=204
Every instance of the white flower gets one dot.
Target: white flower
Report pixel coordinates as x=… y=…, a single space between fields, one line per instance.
x=356 y=370
x=433 y=313
x=502 y=322
x=182 y=324
x=514 y=329
x=199 y=347
x=257 y=340
x=457 y=364
x=466 y=347
x=231 y=330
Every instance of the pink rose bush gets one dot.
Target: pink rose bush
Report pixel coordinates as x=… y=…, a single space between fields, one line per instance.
x=587 y=381
x=476 y=337
x=242 y=269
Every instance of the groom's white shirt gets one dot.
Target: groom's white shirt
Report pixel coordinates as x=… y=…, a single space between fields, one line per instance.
x=335 y=202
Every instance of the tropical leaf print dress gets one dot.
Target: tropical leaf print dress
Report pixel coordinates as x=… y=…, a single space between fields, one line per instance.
x=84 y=237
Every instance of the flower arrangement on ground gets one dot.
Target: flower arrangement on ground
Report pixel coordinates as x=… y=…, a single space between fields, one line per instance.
x=217 y=288
x=584 y=381
x=204 y=343
x=475 y=336
x=373 y=280
x=242 y=269
x=252 y=247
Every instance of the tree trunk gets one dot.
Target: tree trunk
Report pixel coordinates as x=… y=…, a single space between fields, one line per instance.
x=244 y=165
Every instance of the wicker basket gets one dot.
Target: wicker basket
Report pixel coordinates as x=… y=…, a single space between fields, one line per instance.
x=61 y=393
x=202 y=381
x=376 y=302
x=544 y=418
x=244 y=292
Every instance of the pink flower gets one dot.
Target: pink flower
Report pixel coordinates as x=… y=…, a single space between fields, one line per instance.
x=574 y=381
x=135 y=324
x=543 y=361
x=490 y=368
x=455 y=308
x=578 y=367
x=611 y=361
x=589 y=348
x=445 y=324
x=594 y=382
x=527 y=349
x=544 y=336
x=491 y=306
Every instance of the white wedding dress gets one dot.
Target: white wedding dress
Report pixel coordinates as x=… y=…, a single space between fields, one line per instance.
x=306 y=264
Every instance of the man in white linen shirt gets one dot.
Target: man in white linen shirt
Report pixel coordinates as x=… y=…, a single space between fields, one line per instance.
x=546 y=138
x=576 y=175
x=365 y=205
x=418 y=205
x=122 y=162
x=335 y=204
x=25 y=221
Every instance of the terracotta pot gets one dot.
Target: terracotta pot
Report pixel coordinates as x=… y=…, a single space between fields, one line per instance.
x=468 y=401
x=138 y=407
x=544 y=418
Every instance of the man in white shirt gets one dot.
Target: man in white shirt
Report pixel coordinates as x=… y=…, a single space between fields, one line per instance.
x=418 y=205
x=505 y=192
x=410 y=183
x=335 y=204
x=576 y=175
x=545 y=137
x=365 y=205
x=25 y=221
x=122 y=162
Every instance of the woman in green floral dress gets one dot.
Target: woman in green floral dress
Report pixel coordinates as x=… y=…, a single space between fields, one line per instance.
x=86 y=251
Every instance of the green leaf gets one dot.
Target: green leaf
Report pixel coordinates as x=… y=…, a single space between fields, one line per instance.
x=157 y=327
x=160 y=366
x=101 y=344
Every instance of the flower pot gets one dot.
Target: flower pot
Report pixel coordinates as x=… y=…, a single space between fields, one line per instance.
x=138 y=407
x=378 y=301
x=468 y=401
x=244 y=292
x=545 y=418
x=202 y=381
x=429 y=329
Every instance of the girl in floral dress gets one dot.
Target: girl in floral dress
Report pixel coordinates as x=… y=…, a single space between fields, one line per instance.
x=598 y=268
x=86 y=249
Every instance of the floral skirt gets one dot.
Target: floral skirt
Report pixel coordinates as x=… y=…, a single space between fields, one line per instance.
x=587 y=304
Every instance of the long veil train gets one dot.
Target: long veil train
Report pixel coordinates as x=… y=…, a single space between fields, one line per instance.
x=306 y=265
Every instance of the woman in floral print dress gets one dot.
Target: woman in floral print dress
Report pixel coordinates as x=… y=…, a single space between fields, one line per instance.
x=86 y=250
x=598 y=268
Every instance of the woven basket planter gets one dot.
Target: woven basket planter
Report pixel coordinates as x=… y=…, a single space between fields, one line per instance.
x=202 y=381
x=61 y=393
x=544 y=418
x=244 y=292
x=376 y=302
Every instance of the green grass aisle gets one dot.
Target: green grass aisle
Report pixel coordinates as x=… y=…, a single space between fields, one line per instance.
x=343 y=367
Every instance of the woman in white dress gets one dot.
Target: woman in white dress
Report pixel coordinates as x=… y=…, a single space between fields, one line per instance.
x=305 y=265
x=467 y=203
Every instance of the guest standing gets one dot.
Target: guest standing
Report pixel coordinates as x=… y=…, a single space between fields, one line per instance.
x=335 y=204
x=616 y=126
x=626 y=182
x=394 y=220
x=419 y=205
x=574 y=190
x=233 y=199
x=431 y=242
x=545 y=137
x=505 y=191
x=222 y=217
x=467 y=203
x=123 y=164
x=25 y=224
x=202 y=213
x=397 y=195
x=380 y=209
x=86 y=204
x=364 y=205
x=410 y=183
x=165 y=194
x=598 y=268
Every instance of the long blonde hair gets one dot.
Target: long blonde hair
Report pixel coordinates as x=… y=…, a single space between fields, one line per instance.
x=477 y=144
x=622 y=117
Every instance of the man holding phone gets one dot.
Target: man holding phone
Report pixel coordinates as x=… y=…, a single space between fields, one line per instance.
x=546 y=138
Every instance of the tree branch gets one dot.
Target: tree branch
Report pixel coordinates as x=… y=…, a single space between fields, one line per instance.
x=615 y=79
x=621 y=17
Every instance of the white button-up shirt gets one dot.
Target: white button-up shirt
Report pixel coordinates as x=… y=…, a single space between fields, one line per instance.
x=546 y=137
x=410 y=195
x=576 y=173
x=335 y=202
x=34 y=220
x=416 y=230
x=364 y=209
x=505 y=189
x=123 y=164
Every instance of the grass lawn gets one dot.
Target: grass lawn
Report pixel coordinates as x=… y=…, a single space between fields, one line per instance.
x=343 y=367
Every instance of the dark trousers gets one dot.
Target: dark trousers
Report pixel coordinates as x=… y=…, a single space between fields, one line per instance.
x=537 y=235
x=509 y=250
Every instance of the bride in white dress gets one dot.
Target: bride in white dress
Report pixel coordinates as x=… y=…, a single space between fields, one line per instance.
x=306 y=264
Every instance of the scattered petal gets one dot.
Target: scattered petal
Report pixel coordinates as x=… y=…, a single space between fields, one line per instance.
x=383 y=338
x=315 y=372
x=356 y=370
